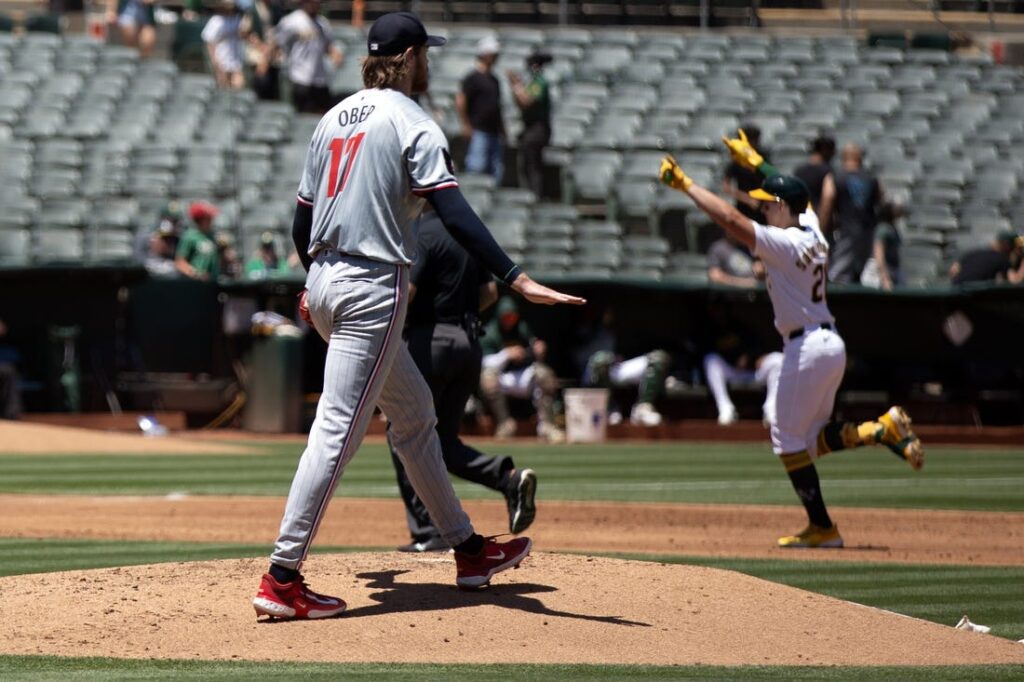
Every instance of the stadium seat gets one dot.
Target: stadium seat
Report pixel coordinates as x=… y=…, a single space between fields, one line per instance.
x=57 y=245
x=15 y=247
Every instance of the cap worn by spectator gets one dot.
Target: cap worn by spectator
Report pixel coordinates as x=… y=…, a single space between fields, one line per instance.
x=487 y=45
x=267 y=240
x=395 y=32
x=202 y=209
x=1009 y=239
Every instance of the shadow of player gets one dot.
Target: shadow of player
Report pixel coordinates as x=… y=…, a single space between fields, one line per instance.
x=400 y=597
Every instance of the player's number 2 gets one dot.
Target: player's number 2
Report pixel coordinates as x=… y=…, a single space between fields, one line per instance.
x=342 y=148
x=818 y=290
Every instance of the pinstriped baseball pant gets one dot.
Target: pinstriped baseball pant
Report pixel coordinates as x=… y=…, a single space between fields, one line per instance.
x=358 y=306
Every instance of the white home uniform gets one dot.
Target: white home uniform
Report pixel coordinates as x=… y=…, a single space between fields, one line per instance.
x=371 y=158
x=814 y=356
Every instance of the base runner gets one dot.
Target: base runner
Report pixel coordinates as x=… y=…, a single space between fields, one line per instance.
x=795 y=255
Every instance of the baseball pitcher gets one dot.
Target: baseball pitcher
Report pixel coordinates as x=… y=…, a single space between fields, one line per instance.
x=373 y=161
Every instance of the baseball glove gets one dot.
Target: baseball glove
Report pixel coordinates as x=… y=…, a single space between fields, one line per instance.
x=672 y=175
x=743 y=152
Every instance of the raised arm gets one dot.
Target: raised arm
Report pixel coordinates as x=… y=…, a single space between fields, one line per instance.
x=720 y=211
x=744 y=154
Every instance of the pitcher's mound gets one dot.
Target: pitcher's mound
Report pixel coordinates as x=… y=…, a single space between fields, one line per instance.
x=405 y=608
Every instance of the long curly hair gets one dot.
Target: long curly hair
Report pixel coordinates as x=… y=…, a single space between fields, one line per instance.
x=384 y=72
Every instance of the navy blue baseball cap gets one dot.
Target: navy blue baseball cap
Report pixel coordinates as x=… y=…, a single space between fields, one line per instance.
x=392 y=33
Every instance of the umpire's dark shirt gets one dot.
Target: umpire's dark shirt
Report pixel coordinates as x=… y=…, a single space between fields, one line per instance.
x=447 y=279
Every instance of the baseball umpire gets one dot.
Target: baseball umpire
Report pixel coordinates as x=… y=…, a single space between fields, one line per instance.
x=372 y=161
x=795 y=255
x=448 y=291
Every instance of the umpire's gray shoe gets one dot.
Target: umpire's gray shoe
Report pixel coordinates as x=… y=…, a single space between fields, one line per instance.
x=522 y=507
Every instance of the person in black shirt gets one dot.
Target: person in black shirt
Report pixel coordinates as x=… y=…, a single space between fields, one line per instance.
x=478 y=103
x=817 y=174
x=859 y=196
x=738 y=181
x=992 y=264
x=448 y=291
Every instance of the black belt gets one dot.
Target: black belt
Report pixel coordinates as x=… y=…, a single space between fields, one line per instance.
x=797 y=333
x=469 y=322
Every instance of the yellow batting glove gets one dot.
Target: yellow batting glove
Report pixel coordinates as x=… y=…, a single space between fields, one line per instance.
x=673 y=176
x=743 y=152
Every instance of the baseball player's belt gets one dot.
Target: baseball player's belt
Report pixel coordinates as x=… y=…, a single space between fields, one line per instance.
x=797 y=333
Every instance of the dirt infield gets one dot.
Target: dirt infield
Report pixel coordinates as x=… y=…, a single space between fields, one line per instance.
x=402 y=608
x=679 y=529
x=27 y=438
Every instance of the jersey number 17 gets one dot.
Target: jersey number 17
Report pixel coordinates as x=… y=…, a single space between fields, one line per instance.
x=342 y=148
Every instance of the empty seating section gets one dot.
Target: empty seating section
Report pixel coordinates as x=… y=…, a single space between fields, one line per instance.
x=94 y=142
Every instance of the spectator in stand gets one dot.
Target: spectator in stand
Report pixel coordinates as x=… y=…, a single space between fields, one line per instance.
x=136 y=22
x=859 y=196
x=198 y=255
x=883 y=268
x=1001 y=261
x=819 y=177
x=10 y=394
x=738 y=181
x=168 y=228
x=478 y=104
x=163 y=247
x=266 y=263
x=258 y=26
x=230 y=262
x=534 y=102
x=304 y=36
x=731 y=264
x=223 y=37
x=513 y=365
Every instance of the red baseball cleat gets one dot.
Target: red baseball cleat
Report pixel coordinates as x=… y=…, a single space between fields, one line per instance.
x=476 y=571
x=293 y=600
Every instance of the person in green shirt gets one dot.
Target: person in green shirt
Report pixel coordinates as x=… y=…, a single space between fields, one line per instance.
x=197 y=256
x=266 y=263
x=534 y=101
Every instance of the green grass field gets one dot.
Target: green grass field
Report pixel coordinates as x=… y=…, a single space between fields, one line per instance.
x=954 y=478
x=40 y=669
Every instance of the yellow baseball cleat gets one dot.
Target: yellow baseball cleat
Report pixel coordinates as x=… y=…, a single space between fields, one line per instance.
x=813 y=536
x=898 y=437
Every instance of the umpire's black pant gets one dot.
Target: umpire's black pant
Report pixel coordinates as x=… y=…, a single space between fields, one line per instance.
x=450 y=362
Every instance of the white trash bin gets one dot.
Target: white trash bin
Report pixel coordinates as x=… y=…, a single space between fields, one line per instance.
x=586 y=414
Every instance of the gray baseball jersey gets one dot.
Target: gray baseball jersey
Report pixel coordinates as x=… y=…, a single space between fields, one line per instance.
x=371 y=159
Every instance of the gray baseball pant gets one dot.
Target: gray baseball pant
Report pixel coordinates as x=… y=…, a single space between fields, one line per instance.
x=358 y=306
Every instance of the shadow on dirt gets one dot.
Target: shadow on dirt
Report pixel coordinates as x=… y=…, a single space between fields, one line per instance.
x=401 y=597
